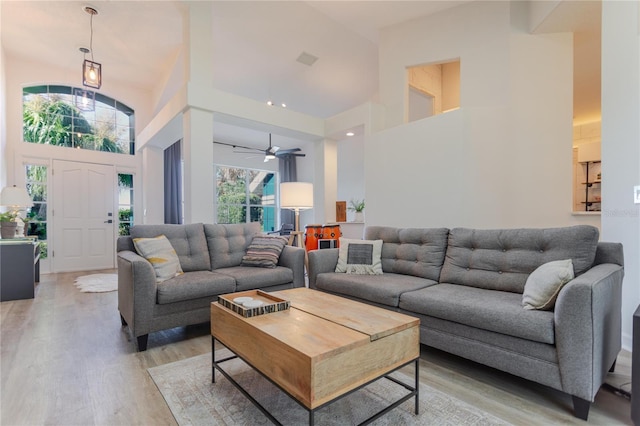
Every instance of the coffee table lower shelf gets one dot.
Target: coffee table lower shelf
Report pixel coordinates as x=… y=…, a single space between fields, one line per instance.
x=414 y=392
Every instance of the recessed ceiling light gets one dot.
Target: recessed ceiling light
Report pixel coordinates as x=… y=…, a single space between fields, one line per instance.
x=271 y=103
x=350 y=134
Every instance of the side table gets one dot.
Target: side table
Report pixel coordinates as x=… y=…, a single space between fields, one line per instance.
x=19 y=268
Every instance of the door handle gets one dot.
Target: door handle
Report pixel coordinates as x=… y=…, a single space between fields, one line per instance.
x=108 y=221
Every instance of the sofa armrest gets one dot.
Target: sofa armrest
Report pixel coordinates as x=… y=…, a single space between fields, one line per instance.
x=293 y=258
x=137 y=291
x=588 y=328
x=321 y=261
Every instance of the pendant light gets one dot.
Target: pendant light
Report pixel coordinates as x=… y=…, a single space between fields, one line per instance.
x=91 y=70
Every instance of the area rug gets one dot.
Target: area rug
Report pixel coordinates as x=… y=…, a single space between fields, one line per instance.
x=97 y=283
x=193 y=400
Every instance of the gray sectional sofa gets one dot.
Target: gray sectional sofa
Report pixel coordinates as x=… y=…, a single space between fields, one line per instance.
x=466 y=287
x=210 y=256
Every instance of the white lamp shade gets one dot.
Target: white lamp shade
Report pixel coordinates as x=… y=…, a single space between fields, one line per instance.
x=15 y=197
x=296 y=195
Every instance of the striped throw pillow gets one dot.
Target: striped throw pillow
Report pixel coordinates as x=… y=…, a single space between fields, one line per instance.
x=264 y=251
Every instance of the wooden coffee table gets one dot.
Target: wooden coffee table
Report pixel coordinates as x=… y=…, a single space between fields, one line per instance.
x=321 y=348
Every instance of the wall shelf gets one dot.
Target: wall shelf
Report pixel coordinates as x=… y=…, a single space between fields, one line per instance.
x=592 y=183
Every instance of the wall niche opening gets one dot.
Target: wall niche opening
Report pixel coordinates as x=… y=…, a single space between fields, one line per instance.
x=432 y=89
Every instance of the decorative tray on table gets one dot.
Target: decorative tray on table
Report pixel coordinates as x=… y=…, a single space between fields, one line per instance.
x=252 y=303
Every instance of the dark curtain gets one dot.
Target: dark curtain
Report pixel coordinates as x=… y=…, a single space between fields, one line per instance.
x=172 y=184
x=288 y=173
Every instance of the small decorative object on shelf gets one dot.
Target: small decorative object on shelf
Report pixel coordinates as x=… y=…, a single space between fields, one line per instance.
x=357 y=206
x=341 y=211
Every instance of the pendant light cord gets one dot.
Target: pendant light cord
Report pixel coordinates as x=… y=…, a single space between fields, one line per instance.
x=91 y=36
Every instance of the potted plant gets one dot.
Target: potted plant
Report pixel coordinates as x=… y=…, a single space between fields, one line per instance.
x=357 y=206
x=8 y=224
x=26 y=221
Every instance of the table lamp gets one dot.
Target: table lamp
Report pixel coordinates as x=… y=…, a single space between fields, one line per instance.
x=296 y=196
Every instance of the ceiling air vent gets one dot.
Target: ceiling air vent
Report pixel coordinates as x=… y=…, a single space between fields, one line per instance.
x=307 y=58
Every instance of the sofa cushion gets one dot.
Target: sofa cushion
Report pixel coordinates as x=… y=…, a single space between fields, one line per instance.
x=194 y=285
x=228 y=242
x=502 y=259
x=248 y=278
x=382 y=289
x=418 y=252
x=359 y=257
x=187 y=240
x=543 y=285
x=264 y=251
x=159 y=252
x=498 y=311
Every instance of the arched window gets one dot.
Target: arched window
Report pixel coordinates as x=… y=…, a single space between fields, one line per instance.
x=77 y=118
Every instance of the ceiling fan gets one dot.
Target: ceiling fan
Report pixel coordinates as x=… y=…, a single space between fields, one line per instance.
x=270 y=153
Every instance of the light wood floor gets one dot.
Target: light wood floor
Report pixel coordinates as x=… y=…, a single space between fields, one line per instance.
x=66 y=360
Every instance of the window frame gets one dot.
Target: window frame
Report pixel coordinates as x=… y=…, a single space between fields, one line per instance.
x=268 y=223
x=78 y=120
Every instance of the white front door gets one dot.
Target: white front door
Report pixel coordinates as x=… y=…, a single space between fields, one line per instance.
x=84 y=218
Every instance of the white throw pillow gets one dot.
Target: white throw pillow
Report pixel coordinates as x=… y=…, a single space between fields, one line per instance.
x=161 y=254
x=543 y=285
x=360 y=257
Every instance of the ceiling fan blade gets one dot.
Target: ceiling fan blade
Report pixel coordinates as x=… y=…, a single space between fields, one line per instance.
x=256 y=152
x=293 y=154
x=289 y=151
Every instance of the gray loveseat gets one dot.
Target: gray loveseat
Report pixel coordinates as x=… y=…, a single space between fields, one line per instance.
x=210 y=256
x=466 y=287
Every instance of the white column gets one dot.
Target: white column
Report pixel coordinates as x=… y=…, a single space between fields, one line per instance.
x=325 y=182
x=197 y=124
x=199 y=180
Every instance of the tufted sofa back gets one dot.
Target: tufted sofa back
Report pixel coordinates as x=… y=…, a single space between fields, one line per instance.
x=502 y=259
x=411 y=251
x=228 y=243
x=187 y=240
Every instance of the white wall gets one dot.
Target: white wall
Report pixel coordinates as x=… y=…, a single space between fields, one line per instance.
x=504 y=159
x=621 y=144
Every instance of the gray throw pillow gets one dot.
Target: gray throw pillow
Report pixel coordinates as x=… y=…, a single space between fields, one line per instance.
x=360 y=257
x=543 y=285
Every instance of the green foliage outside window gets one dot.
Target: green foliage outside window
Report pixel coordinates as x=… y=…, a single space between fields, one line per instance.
x=242 y=192
x=36 y=216
x=54 y=122
x=51 y=117
x=125 y=218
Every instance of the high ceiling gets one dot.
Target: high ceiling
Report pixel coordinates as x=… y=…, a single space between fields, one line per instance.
x=256 y=44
